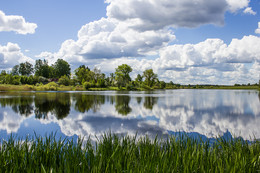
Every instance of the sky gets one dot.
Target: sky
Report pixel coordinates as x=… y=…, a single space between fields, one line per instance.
x=184 y=41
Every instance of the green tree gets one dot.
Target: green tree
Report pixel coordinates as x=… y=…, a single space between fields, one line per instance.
x=112 y=79
x=42 y=68
x=122 y=74
x=64 y=80
x=15 y=70
x=61 y=68
x=162 y=84
x=150 y=77
x=139 y=78
x=25 y=69
x=83 y=74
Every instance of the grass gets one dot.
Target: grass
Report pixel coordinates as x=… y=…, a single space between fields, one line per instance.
x=128 y=154
x=225 y=87
x=55 y=87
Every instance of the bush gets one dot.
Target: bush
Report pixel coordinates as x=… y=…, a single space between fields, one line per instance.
x=146 y=87
x=87 y=85
x=64 y=80
x=73 y=82
x=51 y=86
x=130 y=87
x=16 y=80
x=101 y=83
x=43 y=80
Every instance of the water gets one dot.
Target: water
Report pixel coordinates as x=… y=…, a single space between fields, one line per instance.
x=207 y=113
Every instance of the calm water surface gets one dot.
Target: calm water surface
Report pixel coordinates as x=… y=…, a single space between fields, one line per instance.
x=208 y=113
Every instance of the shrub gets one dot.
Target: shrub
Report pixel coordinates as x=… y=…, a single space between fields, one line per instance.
x=130 y=87
x=146 y=87
x=87 y=85
x=51 y=86
x=43 y=80
x=16 y=80
x=64 y=80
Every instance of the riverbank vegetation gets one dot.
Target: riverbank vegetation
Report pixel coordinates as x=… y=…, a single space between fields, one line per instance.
x=128 y=154
x=58 y=77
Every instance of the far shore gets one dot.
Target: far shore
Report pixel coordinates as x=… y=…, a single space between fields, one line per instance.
x=7 y=87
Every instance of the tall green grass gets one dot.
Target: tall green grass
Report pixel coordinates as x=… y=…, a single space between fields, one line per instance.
x=128 y=154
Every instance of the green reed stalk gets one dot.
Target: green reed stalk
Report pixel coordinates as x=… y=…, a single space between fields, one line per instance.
x=128 y=154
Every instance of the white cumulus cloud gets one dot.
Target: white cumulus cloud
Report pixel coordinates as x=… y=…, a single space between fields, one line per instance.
x=108 y=38
x=136 y=29
x=249 y=10
x=11 y=55
x=16 y=24
x=153 y=14
x=235 y=5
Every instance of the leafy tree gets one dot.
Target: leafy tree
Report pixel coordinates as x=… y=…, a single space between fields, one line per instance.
x=83 y=74
x=97 y=74
x=122 y=74
x=3 y=73
x=139 y=78
x=112 y=79
x=150 y=77
x=162 y=84
x=25 y=69
x=64 y=80
x=61 y=68
x=42 y=68
x=15 y=70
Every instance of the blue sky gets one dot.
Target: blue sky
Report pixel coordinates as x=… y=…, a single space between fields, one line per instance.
x=184 y=41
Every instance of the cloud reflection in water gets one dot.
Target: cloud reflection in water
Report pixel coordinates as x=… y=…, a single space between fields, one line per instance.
x=207 y=112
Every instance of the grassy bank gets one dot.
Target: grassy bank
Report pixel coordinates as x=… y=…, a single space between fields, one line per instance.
x=49 y=87
x=55 y=87
x=127 y=154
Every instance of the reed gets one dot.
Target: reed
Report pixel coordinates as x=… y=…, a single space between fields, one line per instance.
x=113 y=153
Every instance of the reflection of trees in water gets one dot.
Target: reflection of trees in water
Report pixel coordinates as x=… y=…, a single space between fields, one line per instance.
x=149 y=102
x=139 y=100
x=59 y=103
x=86 y=102
x=20 y=105
x=122 y=105
x=56 y=103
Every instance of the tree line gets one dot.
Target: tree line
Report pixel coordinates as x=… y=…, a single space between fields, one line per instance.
x=60 y=72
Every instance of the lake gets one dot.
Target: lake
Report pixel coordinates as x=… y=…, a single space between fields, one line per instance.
x=207 y=113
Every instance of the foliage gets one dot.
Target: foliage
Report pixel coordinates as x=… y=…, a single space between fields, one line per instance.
x=15 y=70
x=128 y=154
x=150 y=77
x=43 y=69
x=83 y=74
x=87 y=85
x=120 y=80
x=162 y=84
x=139 y=78
x=25 y=69
x=145 y=87
x=61 y=68
x=122 y=75
x=130 y=87
x=42 y=79
x=51 y=86
x=64 y=80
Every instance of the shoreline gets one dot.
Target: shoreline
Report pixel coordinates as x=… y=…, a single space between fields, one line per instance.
x=10 y=88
